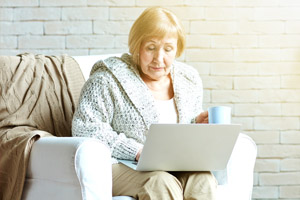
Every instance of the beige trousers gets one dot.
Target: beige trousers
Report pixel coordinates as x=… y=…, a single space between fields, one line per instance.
x=160 y=185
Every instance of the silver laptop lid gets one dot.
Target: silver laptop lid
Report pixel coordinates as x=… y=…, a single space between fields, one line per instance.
x=188 y=147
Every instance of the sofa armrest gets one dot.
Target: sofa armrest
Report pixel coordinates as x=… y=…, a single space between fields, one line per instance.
x=82 y=166
x=240 y=169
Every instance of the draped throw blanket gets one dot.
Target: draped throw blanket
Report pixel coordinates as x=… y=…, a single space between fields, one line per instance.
x=38 y=98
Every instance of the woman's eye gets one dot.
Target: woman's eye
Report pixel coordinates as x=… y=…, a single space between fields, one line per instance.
x=168 y=49
x=151 y=48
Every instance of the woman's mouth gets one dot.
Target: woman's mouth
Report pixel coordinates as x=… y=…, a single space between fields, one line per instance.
x=157 y=68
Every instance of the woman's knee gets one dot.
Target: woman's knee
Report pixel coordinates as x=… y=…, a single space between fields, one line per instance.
x=201 y=185
x=162 y=185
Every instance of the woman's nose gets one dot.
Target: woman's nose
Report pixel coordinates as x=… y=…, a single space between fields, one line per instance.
x=159 y=56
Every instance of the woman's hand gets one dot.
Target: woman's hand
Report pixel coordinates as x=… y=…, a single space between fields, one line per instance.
x=138 y=155
x=202 y=117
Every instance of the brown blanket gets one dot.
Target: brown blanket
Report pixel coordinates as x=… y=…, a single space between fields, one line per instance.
x=37 y=93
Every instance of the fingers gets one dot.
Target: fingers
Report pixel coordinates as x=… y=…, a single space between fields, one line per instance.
x=204 y=114
x=205 y=120
x=206 y=117
x=202 y=117
x=138 y=155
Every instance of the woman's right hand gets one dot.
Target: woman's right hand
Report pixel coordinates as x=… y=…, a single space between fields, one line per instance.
x=202 y=117
x=138 y=155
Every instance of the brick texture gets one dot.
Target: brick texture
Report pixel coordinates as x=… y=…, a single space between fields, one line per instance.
x=292 y=192
x=246 y=51
x=6 y=14
x=19 y=3
x=8 y=42
x=33 y=14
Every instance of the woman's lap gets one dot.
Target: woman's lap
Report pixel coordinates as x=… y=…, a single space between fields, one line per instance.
x=162 y=185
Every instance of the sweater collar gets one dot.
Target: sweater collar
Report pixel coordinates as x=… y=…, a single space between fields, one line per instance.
x=180 y=93
x=136 y=89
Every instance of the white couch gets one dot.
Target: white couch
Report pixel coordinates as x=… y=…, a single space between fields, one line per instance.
x=86 y=166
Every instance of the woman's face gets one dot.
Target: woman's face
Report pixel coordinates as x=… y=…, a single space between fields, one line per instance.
x=156 y=57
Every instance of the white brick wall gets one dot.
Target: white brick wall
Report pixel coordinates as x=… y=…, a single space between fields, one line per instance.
x=62 y=3
x=111 y=2
x=246 y=51
x=33 y=14
x=21 y=28
x=19 y=3
x=88 y=13
x=41 y=42
x=290 y=164
x=6 y=14
x=68 y=27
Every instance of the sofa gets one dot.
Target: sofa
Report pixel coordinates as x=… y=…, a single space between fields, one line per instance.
x=85 y=165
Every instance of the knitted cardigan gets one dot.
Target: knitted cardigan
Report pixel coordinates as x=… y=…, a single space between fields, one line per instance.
x=116 y=106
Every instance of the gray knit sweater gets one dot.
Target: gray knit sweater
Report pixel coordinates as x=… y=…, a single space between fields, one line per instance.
x=117 y=107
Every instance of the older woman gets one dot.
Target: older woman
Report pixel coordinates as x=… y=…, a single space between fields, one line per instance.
x=124 y=96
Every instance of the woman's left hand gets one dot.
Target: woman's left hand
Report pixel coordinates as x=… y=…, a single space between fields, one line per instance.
x=138 y=154
x=202 y=117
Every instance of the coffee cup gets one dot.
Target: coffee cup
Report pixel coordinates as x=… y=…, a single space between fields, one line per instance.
x=219 y=115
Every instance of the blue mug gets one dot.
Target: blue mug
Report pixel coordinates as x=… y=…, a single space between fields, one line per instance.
x=219 y=115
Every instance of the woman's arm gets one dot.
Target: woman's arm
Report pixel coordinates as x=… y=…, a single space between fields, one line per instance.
x=94 y=116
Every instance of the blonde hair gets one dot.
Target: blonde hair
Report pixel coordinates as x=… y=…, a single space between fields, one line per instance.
x=155 y=22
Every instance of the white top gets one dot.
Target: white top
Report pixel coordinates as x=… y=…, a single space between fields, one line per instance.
x=167 y=111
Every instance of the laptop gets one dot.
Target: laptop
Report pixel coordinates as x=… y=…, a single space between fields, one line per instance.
x=186 y=147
